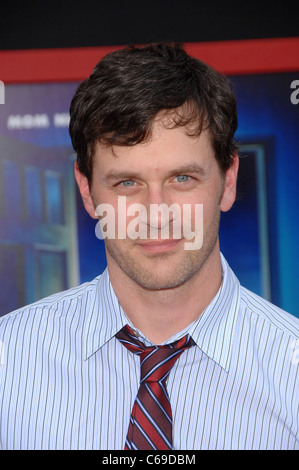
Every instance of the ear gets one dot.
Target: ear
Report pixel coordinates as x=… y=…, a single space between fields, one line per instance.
x=84 y=189
x=230 y=185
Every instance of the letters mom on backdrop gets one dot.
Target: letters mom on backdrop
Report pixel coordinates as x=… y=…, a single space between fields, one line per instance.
x=48 y=242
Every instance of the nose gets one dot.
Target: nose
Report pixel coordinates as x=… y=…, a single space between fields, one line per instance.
x=156 y=194
x=161 y=211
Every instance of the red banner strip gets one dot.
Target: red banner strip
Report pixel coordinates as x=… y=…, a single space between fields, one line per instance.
x=75 y=64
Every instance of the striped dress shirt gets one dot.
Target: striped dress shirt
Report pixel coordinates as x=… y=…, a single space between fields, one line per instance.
x=66 y=382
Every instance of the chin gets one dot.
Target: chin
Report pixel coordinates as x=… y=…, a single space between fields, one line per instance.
x=159 y=271
x=162 y=274
x=154 y=283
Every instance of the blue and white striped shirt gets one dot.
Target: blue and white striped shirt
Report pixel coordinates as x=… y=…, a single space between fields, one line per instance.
x=67 y=383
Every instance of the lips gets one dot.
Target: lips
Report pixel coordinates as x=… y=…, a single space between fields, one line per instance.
x=159 y=246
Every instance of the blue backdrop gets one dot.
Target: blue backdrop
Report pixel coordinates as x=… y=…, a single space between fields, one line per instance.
x=48 y=242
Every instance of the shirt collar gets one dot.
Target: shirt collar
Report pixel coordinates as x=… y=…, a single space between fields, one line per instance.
x=213 y=331
x=105 y=317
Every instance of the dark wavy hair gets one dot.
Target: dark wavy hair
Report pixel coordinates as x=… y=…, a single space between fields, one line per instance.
x=119 y=102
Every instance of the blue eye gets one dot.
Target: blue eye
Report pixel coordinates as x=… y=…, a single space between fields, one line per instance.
x=128 y=183
x=182 y=178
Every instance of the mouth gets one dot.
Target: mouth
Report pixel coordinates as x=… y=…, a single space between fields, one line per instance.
x=159 y=246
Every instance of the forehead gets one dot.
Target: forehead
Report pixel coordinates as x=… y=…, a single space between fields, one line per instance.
x=166 y=149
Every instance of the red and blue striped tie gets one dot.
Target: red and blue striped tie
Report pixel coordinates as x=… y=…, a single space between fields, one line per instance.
x=150 y=425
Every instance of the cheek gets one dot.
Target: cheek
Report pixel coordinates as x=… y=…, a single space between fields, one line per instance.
x=211 y=210
x=210 y=197
x=121 y=219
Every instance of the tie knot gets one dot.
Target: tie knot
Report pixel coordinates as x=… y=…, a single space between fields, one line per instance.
x=155 y=361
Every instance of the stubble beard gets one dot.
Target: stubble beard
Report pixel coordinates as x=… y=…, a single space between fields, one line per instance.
x=153 y=275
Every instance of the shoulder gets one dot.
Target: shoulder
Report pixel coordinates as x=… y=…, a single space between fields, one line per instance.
x=54 y=306
x=270 y=313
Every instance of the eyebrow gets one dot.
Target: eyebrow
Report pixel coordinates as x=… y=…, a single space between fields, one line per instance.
x=115 y=175
x=191 y=168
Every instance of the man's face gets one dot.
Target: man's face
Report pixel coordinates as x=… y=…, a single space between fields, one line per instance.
x=171 y=168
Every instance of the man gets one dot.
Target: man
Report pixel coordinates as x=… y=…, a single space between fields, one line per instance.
x=153 y=127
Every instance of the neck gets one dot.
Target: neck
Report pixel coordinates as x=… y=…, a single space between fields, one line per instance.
x=159 y=314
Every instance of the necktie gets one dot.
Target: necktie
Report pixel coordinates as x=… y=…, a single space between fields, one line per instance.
x=150 y=426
